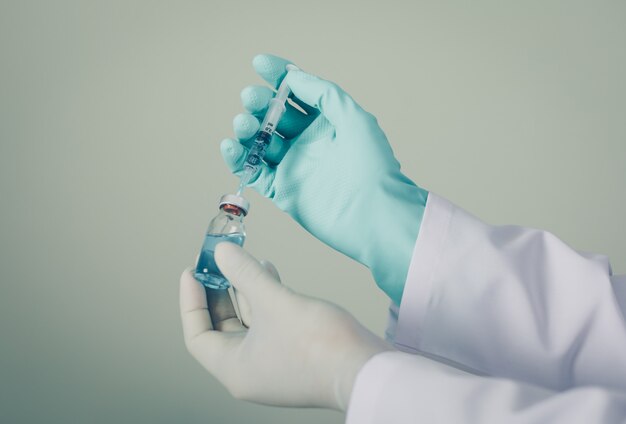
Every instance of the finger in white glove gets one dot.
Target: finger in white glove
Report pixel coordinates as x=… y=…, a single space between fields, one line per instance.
x=242 y=303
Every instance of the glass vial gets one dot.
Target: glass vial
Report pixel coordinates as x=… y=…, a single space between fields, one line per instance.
x=226 y=226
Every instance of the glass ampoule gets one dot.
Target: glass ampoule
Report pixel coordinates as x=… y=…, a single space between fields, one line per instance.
x=227 y=225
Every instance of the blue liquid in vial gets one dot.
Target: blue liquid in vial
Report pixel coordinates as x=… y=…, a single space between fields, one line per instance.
x=207 y=271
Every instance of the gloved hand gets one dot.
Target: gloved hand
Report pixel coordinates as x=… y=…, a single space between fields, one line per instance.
x=334 y=172
x=297 y=351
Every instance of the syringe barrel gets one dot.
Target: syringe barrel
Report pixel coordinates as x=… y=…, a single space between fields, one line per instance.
x=258 y=148
x=275 y=111
x=283 y=92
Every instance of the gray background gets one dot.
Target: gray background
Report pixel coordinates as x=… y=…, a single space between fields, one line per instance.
x=111 y=115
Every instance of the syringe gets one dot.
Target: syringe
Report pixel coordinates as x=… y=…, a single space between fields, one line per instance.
x=262 y=139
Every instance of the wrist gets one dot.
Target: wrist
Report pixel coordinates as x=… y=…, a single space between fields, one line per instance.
x=344 y=385
x=352 y=362
x=395 y=232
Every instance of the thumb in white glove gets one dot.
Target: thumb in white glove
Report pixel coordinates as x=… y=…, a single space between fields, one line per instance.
x=298 y=352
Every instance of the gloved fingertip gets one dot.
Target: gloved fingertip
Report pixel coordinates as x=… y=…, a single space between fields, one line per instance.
x=228 y=256
x=232 y=152
x=259 y=60
x=243 y=270
x=297 y=75
x=186 y=273
x=191 y=292
x=226 y=248
x=271 y=68
x=247 y=96
x=245 y=126
x=326 y=96
x=255 y=98
x=299 y=83
x=227 y=146
x=266 y=63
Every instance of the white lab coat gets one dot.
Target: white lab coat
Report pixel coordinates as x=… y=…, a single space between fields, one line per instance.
x=523 y=328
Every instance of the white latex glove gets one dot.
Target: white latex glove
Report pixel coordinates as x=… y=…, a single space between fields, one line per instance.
x=298 y=351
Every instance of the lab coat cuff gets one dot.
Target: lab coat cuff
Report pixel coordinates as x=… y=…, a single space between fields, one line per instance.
x=389 y=384
x=419 y=283
x=369 y=394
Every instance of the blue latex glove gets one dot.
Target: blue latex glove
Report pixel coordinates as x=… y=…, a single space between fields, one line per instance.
x=334 y=172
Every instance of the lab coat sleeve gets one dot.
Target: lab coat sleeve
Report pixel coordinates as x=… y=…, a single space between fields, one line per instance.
x=400 y=388
x=511 y=302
